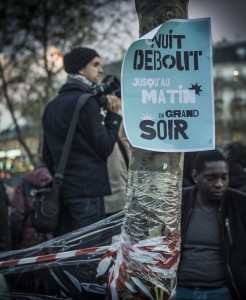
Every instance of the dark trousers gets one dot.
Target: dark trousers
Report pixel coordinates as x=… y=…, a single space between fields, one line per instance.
x=79 y=212
x=203 y=294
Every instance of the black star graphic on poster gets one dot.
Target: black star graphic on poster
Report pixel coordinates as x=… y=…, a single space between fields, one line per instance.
x=196 y=88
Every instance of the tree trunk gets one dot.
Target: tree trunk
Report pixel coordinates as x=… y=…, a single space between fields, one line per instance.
x=154 y=179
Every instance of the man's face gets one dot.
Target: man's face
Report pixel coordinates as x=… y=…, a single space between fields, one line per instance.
x=93 y=70
x=213 y=181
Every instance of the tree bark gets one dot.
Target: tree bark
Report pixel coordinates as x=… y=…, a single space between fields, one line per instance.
x=155 y=12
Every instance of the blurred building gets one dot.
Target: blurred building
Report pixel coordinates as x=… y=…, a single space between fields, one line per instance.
x=230 y=92
x=13 y=157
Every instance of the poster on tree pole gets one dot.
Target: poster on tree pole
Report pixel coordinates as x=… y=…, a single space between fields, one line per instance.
x=167 y=88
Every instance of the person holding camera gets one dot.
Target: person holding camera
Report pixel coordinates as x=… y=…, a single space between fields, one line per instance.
x=86 y=179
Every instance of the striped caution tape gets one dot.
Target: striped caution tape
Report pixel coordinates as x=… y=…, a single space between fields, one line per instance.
x=50 y=257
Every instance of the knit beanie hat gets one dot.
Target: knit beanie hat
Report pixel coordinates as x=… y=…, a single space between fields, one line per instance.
x=77 y=59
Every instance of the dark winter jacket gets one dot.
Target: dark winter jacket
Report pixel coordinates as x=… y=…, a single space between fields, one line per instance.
x=233 y=225
x=4 y=220
x=22 y=232
x=86 y=171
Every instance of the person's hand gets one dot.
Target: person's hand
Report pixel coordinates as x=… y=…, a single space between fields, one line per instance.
x=113 y=104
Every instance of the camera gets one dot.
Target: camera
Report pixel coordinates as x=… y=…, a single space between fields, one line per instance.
x=110 y=85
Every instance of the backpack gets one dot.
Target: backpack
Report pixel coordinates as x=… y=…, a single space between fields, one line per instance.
x=45 y=206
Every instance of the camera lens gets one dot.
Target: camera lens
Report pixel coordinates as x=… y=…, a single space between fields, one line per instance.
x=108 y=87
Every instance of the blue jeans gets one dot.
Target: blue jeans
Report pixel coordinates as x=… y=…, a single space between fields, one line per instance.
x=77 y=213
x=184 y=293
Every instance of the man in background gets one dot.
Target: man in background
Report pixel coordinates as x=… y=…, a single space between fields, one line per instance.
x=86 y=179
x=213 y=234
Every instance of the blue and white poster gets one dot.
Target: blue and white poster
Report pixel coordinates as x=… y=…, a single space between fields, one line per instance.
x=167 y=88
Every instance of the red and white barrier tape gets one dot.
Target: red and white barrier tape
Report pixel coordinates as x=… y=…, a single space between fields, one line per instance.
x=49 y=257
